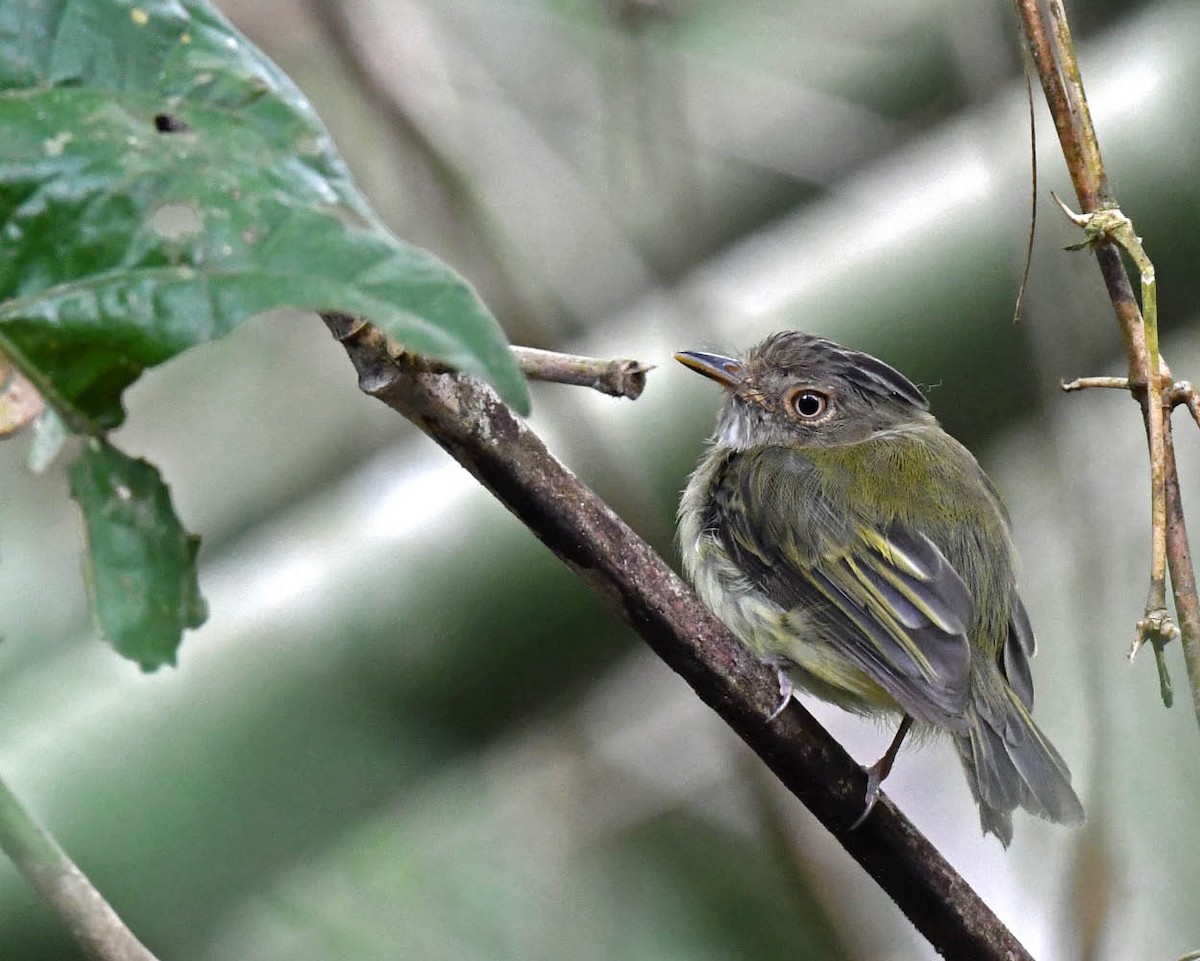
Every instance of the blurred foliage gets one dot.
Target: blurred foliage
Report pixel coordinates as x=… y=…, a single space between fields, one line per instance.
x=406 y=731
x=448 y=881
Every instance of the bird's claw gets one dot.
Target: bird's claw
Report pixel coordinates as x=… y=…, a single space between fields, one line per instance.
x=875 y=776
x=882 y=768
x=786 y=689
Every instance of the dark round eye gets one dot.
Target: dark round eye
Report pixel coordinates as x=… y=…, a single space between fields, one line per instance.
x=808 y=403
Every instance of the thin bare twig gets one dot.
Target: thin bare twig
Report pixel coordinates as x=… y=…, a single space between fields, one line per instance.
x=1019 y=309
x=1183 y=574
x=469 y=420
x=1182 y=393
x=617 y=378
x=1085 y=383
x=1156 y=625
x=91 y=919
x=1058 y=69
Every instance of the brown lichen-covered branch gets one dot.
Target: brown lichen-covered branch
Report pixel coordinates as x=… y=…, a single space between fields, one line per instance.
x=469 y=420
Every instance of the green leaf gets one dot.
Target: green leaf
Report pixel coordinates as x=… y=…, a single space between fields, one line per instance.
x=161 y=181
x=141 y=563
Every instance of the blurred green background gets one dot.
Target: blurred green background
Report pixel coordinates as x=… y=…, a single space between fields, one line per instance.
x=406 y=730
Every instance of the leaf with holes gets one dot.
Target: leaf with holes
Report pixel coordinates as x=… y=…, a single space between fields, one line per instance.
x=161 y=181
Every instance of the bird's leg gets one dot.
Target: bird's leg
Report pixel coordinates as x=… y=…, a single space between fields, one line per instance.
x=882 y=768
x=785 y=692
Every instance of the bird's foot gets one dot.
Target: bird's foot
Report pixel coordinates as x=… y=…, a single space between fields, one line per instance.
x=881 y=769
x=875 y=775
x=785 y=693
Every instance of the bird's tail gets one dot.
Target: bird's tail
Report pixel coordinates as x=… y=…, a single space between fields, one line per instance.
x=1010 y=763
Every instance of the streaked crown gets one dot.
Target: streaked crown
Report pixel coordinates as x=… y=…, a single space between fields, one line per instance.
x=797 y=388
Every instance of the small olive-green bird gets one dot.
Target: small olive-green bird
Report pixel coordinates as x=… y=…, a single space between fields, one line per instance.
x=853 y=544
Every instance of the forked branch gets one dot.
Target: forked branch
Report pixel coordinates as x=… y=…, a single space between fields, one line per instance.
x=1107 y=231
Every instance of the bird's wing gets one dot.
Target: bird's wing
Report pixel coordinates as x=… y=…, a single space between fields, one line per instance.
x=898 y=610
x=1019 y=647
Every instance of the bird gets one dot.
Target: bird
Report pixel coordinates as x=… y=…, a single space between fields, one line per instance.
x=852 y=544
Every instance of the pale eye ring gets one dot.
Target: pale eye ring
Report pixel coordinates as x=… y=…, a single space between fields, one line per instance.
x=808 y=403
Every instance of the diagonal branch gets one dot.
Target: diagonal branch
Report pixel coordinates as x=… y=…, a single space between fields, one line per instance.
x=92 y=921
x=467 y=419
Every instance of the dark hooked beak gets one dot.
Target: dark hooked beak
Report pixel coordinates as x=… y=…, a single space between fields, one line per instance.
x=726 y=371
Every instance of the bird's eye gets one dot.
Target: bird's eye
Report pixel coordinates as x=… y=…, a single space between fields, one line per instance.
x=808 y=404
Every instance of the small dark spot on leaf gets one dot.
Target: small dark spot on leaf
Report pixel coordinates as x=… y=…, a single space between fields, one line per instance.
x=169 y=123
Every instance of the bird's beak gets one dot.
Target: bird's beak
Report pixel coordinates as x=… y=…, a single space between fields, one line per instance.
x=726 y=371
